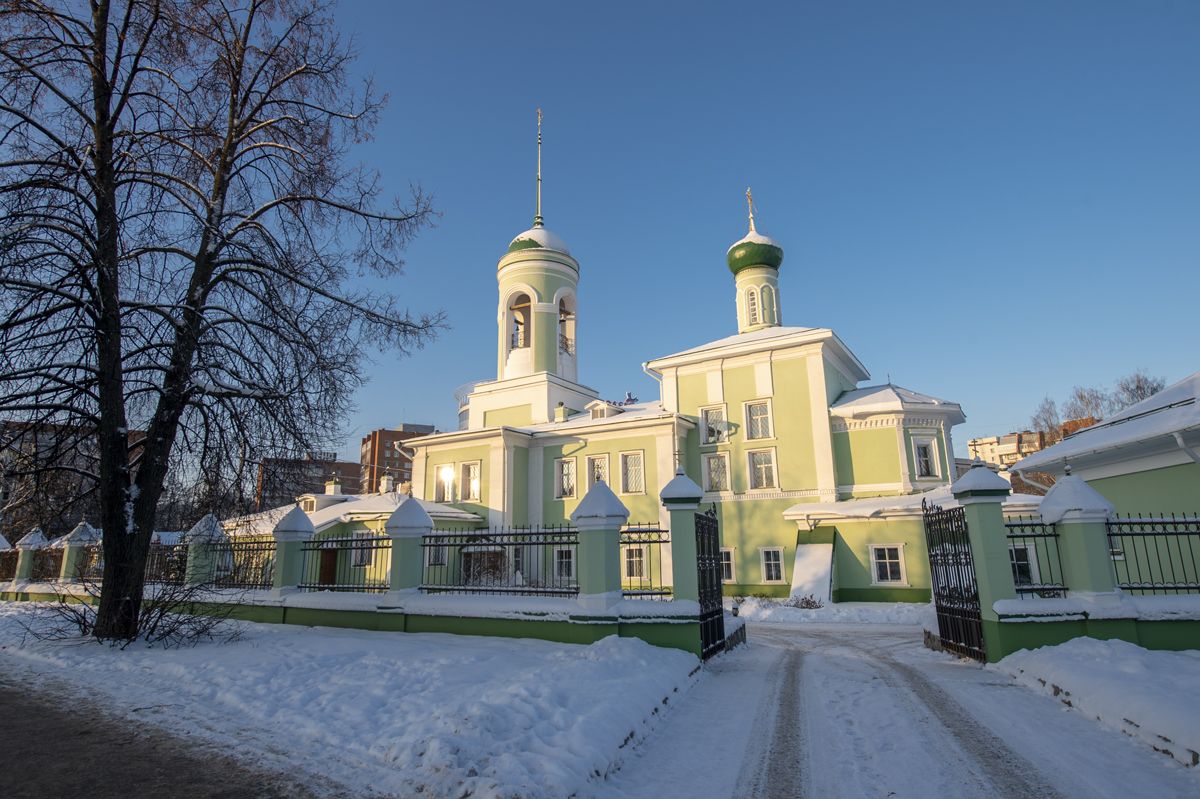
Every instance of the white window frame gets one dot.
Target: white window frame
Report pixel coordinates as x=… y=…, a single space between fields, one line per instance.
x=442 y=492
x=621 y=463
x=708 y=486
x=732 y=568
x=361 y=558
x=1035 y=577
x=774 y=470
x=753 y=311
x=640 y=560
x=903 y=581
x=591 y=472
x=559 y=493
x=723 y=437
x=471 y=490
x=762 y=565
x=770 y=418
x=570 y=578
x=935 y=458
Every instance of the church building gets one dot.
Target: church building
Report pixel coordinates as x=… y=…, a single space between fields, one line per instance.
x=813 y=473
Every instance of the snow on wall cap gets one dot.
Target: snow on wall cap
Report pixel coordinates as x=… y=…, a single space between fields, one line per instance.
x=83 y=533
x=409 y=515
x=34 y=539
x=681 y=489
x=295 y=521
x=600 y=503
x=979 y=479
x=207 y=529
x=1072 y=494
x=4 y=543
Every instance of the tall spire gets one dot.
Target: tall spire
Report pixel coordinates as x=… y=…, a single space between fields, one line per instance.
x=537 y=217
x=750 y=206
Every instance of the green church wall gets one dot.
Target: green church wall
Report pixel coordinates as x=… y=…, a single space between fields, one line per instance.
x=852 y=560
x=643 y=506
x=455 y=457
x=515 y=416
x=1173 y=489
x=868 y=456
x=945 y=467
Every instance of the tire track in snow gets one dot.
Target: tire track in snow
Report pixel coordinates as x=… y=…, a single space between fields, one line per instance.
x=776 y=767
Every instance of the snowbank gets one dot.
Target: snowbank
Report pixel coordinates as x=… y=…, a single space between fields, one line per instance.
x=773 y=611
x=382 y=713
x=1151 y=695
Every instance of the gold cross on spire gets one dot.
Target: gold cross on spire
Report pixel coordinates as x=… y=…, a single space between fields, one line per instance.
x=750 y=207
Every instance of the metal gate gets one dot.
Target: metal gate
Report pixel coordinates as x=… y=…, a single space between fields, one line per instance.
x=708 y=568
x=952 y=574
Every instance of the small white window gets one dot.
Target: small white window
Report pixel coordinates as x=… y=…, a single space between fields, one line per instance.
x=518 y=560
x=564 y=482
x=564 y=564
x=716 y=472
x=713 y=429
x=632 y=475
x=1024 y=564
x=772 y=564
x=635 y=563
x=751 y=306
x=435 y=555
x=597 y=469
x=444 y=488
x=363 y=553
x=887 y=564
x=758 y=419
x=762 y=468
x=727 y=565
x=926 y=457
x=470 y=482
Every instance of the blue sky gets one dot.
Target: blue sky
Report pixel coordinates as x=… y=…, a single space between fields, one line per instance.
x=989 y=202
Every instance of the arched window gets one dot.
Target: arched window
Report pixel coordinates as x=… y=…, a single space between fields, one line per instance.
x=518 y=311
x=768 y=305
x=751 y=306
x=566 y=325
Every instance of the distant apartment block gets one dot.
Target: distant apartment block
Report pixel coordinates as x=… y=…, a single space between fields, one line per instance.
x=380 y=455
x=1008 y=449
x=281 y=480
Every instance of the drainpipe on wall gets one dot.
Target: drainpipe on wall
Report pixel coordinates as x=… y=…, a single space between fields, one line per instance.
x=1191 y=453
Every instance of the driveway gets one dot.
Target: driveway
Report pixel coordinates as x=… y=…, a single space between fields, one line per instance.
x=866 y=711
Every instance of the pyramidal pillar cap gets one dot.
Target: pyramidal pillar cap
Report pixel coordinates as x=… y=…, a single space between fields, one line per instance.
x=681 y=492
x=980 y=482
x=600 y=509
x=34 y=539
x=294 y=526
x=1073 y=500
x=408 y=520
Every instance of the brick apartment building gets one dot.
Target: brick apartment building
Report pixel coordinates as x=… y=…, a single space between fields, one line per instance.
x=379 y=454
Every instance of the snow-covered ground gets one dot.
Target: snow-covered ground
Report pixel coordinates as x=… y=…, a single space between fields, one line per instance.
x=1152 y=695
x=774 y=611
x=382 y=713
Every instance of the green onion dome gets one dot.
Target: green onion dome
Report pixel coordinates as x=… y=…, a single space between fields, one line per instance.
x=754 y=249
x=537 y=237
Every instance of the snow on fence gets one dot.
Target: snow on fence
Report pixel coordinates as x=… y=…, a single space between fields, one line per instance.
x=1156 y=555
x=8 y=564
x=642 y=562
x=243 y=564
x=166 y=564
x=47 y=564
x=1035 y=559
x=360 y=562
x=533 y=561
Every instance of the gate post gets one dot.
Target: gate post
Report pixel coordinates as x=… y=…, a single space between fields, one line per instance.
x=981 y=493
x=201 y=562
x=681 y=497
x=290 y=533
x=75 y=547
x=1080 y=514
x=599 y=519
x=27 y=549
x=407 y=527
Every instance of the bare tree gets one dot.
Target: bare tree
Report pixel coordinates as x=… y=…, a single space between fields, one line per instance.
x=180 y=225
x=1046 y=420
x=1085 y=402
x=1134 y=388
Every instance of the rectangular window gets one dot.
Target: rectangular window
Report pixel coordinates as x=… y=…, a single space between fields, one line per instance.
x=564 y=564
x=772 y=565
x=716 y=472
x=1024 y=566
x=635 y=563
x=727 y=565
x=632 y=477
x=444 y=484
x=712 y=426
x=435 y=556
x=597 y=466
x=470 y=482
x=363 y=553
x=564 y=480
x=758 y=420
x=887 y=563
x=762 y=468
x=518 y=560
x=925 y=455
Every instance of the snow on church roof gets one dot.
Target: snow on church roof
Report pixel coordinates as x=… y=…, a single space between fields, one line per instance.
x=813 y=513
x=1156 y=419
x=538 y=238
x=891 y=399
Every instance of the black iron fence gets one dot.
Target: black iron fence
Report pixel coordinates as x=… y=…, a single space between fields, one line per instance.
x=243 y=564
x=1156 y=555
x=90 y=565
x=166 y=564
x=642 y=549
x=359 y=562
x=47 y=563
x=8 y=564
x=532 y=561
x=1034 y=556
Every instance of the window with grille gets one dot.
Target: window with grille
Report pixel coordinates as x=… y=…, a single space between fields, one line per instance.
x=565 y=478
x=635 y=563
x=712 y=424
x=632 y=475
x=470 y=482
x=758 y=420
x=762 y=469
x=597 y=466
x=751 y=307
x=361 y=556
x=887 y=563
x=716 y=472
